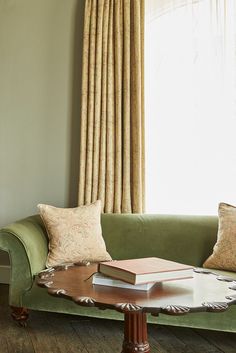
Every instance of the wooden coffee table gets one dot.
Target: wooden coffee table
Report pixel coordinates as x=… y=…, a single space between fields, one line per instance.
x=206 y=292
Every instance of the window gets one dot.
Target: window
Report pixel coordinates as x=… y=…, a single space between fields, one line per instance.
x=190 y=89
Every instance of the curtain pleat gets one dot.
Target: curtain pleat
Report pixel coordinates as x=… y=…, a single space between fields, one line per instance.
x=110 y=161
x=104 y=92
x=126 y=194
x=112 y=111
x=97 y=100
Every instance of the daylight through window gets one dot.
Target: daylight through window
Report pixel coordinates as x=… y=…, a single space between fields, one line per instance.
x=190 y=89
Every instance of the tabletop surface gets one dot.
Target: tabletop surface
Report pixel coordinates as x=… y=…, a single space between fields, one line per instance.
x=206 y=291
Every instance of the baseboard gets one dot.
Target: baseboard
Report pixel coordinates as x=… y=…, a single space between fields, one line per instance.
x=5 y=274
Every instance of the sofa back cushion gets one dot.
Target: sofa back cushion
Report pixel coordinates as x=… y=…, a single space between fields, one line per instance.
x=186 y=239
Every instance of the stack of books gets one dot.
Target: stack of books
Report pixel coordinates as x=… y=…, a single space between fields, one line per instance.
x=140 y=274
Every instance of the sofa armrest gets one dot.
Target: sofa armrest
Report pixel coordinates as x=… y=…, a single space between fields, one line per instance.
x=27 y=245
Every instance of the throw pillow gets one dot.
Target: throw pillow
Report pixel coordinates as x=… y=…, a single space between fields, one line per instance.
x=224 y=251
x=75 y=234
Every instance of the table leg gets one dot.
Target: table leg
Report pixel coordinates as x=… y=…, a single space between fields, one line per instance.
x=20 y=315
x=135 y=333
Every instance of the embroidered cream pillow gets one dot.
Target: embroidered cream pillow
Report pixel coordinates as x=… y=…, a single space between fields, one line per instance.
x=75 y=234
x=224 y=251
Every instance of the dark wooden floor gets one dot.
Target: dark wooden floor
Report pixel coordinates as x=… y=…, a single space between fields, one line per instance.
x=57 y=333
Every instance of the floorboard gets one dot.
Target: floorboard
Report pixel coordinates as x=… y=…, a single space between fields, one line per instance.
x=192 y=339
x=222 y=340
x=60 y=333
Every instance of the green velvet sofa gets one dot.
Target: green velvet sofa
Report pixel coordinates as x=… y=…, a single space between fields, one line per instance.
x=186 y=239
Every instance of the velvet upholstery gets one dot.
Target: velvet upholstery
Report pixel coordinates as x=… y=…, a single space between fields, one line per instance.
x=187 y=239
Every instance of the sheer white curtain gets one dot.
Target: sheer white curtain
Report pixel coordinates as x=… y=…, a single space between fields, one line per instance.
x=190 y=105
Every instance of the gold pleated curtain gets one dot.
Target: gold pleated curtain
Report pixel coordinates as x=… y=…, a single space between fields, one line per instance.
x=112 y=111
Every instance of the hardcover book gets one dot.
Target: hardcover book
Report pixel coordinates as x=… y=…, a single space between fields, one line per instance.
x=145 y=270
x=100 y=279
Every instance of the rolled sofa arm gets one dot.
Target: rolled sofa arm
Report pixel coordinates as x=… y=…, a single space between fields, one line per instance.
x=27 y=245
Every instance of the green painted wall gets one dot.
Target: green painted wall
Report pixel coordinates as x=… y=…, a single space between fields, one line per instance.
x=40 y=77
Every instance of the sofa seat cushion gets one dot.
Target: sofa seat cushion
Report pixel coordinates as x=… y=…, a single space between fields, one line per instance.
x=223 y=273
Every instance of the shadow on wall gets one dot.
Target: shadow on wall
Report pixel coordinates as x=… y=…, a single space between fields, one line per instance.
x=75 y=104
